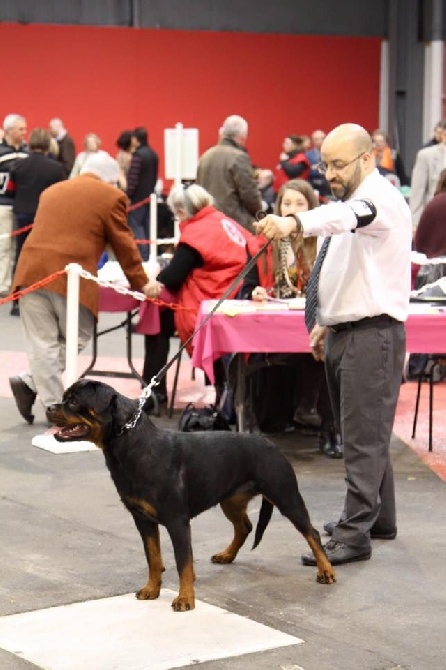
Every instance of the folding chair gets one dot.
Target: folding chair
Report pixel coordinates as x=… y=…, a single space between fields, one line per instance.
x=433 y=363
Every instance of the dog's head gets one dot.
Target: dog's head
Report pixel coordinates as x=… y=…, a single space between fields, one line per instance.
x=89 y=411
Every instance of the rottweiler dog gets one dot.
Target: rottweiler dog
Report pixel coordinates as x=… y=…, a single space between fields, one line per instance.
x=168 y=477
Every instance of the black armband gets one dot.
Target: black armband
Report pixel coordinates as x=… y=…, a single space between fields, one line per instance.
x=364 y=210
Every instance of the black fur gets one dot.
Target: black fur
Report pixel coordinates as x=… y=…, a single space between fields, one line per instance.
x=168 y=477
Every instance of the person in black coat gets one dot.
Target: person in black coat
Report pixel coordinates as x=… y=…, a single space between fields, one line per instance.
x=141 y=180
x=31 y=176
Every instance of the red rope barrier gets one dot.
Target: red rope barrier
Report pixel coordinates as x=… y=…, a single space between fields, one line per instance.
x=40 y=284
x=21 y=230
x=136 y=205
x=48 y=280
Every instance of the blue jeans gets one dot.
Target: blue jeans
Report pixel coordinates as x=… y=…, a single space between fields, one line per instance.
x=138 y=220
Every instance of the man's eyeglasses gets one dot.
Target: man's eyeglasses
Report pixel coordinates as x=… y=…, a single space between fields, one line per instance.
x=336 y=166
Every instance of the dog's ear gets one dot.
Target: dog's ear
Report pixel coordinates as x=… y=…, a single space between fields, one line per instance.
x=121 y=409
x=104 y=400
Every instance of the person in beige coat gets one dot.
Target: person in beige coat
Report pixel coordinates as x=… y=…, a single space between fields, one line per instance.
x=225 y=171
x=429 y=163
x=75 y=221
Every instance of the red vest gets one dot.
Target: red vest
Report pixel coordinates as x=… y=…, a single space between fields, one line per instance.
x=265 y=261
x=280 y=176
x=221 y=242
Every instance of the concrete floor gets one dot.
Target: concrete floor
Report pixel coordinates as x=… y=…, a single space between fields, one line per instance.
x=65 y=538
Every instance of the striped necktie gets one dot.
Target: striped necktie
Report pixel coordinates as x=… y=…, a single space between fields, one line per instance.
x=311 y=301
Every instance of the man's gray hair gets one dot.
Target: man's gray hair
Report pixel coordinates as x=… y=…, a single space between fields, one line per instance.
x=103 y=166
x=192 y=199
x=11 y=120
x=234 y=126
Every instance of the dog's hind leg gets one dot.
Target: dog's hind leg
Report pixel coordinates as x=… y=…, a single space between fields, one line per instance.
x=282 y=490
x=325 y=570
x=294 y=509
x=151 y=540
x=235 y=510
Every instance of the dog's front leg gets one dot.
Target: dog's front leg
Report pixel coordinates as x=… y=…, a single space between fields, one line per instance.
x=179 y=531
x=151 y=540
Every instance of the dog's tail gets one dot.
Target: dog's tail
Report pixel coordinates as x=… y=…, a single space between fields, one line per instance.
x=265 y=514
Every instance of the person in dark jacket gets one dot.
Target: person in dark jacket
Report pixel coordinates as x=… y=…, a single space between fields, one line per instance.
x=141 y=180
x=30 y=177
x=316 y=179
x=388 y=161
x=293 y=162
x=226 y=172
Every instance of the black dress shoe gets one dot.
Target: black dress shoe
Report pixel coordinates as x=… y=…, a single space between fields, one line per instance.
x=339 y=553
x=331 y=446
x=375 y=533
x=24 y=397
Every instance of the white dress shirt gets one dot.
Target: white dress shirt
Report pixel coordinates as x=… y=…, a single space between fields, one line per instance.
x=367 y=270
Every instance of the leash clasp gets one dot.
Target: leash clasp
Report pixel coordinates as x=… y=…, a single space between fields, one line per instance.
x=145 y=395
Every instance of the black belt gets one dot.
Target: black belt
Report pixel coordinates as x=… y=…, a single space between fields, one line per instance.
x=367 y=322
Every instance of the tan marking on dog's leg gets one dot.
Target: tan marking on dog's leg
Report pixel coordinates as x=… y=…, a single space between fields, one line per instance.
x=144 y=506
x=235 y=510
x=325 y=570
x=156 y=568
x=185 y=600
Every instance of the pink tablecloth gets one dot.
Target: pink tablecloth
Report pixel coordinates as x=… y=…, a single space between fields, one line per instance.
x=284 y=331
x=148 y=315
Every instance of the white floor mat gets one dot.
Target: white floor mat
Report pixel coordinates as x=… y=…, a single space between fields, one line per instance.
x=122 y=633
x=47 y=442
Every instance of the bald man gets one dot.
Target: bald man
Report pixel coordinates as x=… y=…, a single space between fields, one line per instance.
x=362 y=299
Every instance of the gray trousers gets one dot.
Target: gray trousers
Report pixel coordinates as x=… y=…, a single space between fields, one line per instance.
x=364 y=369
x=44 y=317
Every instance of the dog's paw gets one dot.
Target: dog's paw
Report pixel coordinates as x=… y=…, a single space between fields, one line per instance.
x=183 y=604
x=326 y=577
x=222 y=557
x=148 y=592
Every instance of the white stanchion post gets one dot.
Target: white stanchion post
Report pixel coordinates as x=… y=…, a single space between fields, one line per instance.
x=178 y=157
x=153 y=228
x=72 y=344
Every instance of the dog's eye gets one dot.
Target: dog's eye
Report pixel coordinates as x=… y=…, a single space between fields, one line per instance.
x=73 y=405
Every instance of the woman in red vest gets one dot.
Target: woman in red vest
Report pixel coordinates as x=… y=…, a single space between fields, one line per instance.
x=212 y=250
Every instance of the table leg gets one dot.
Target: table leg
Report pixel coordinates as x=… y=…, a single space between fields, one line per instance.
x=240 y=393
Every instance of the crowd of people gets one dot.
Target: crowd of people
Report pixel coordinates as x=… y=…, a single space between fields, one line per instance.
x=341 y=234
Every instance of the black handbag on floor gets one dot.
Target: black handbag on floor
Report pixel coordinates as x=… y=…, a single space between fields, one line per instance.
x=201 y=418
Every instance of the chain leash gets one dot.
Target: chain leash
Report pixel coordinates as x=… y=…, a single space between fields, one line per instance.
x=147 y=391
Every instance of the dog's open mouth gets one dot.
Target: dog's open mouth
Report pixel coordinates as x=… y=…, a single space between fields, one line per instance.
x=75 y=432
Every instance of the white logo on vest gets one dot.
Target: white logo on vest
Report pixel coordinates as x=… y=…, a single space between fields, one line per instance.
x=233 y=232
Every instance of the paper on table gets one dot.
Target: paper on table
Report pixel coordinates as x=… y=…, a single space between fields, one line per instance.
x=112 y=271
x=235 y=307
x=425 y=308
x=296 y=303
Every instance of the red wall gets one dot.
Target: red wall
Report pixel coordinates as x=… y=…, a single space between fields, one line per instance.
x=108 y=79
